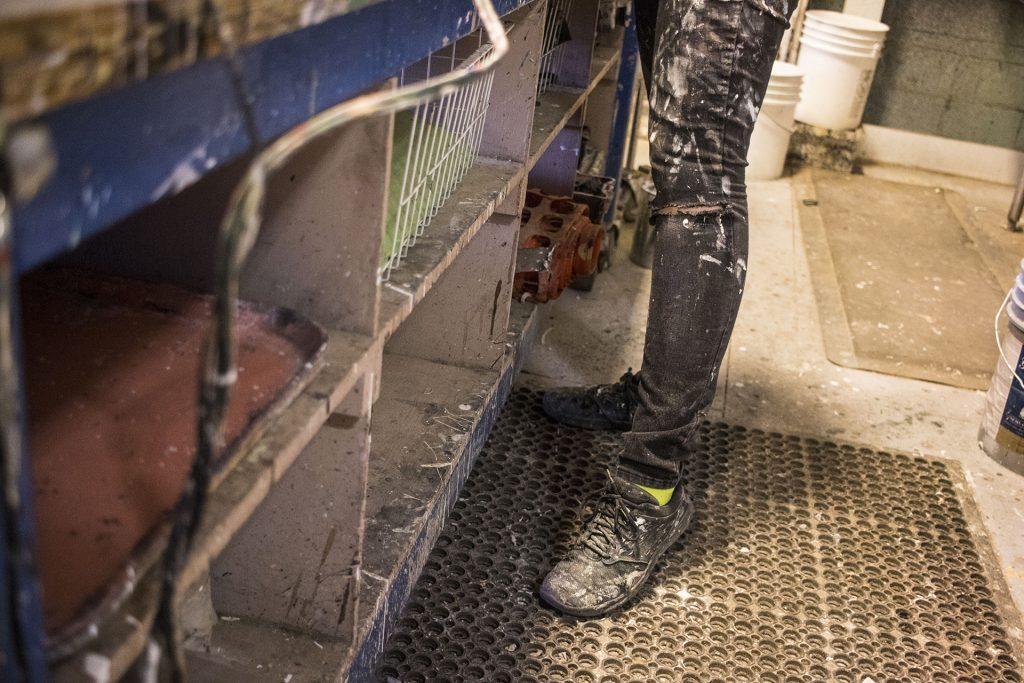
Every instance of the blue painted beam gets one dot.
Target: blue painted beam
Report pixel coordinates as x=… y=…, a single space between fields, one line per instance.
x=122 y=150
x=623 y=109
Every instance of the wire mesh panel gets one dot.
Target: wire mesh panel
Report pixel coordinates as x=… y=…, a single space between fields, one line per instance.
x=434 y=146
x=556 y=36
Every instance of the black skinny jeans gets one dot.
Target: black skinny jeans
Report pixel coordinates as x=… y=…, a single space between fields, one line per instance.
x=707 y=64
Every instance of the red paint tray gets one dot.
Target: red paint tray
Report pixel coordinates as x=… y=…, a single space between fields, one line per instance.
x=112 y=376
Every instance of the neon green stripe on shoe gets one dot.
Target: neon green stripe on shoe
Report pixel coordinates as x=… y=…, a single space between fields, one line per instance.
x=661 y=495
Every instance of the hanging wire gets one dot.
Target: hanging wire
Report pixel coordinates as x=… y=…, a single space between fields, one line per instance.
x=238 y=232
x=12 y=437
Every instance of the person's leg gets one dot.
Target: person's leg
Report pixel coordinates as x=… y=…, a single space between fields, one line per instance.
x=709 y=71
x=709 y=74
x=609 y=406
x=646 y=14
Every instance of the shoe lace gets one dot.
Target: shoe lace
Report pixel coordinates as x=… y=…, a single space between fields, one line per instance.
x=627 y=388
x=631 y=386
x=613 y=521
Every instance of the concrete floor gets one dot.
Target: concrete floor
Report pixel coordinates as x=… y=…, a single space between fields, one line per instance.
x=776 y=375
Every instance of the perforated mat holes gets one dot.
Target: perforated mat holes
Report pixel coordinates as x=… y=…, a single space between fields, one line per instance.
x=808 y=561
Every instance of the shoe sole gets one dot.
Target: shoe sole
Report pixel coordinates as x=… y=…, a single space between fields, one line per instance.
x=595 y=424
x=613 y=605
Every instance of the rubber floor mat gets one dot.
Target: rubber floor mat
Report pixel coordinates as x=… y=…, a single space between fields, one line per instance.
x=901 y=287
x=807 y=561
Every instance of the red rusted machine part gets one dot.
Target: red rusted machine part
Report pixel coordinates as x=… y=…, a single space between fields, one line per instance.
x=557 y=244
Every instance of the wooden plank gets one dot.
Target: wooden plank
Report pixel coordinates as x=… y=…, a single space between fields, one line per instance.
x=319 y=244
x=514 y=91
x=555 y=172
x=295 y=562
x=432 y=421
x=555 y=108
x=600 y=115
x=349 y=358
x=400 y=529
x=576 y=61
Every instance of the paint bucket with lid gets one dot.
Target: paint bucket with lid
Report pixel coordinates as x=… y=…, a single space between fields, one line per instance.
x=769 y=142
x=850 y=27
x=839 y=53
x=1001 y=434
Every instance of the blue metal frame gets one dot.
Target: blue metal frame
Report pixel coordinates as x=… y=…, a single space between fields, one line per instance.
x=125 y=149
x=623 y=109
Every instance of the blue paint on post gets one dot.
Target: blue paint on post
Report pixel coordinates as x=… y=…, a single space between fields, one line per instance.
x=121 y=151
x=623 y=109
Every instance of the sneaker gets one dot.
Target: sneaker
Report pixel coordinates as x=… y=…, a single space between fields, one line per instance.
x=606 y=406
x=617 y=551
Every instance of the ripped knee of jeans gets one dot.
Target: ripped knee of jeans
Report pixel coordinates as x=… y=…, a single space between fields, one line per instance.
x=693 y=210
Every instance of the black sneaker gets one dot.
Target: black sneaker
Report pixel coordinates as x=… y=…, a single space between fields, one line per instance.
x=606 y=406
x=619 y=546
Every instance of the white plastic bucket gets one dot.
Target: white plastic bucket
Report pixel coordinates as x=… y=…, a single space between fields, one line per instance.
x=784 y=91
x=873 y=49
x=769 y=141
x=825 y=31
x=1001 y=433
x=846 y=23
x=838 y=53
x=785 y=82
x=784 y=73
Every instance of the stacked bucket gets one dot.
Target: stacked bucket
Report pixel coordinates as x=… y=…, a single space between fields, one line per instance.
x=838 y=53
x=827 y=87
x=770 y=139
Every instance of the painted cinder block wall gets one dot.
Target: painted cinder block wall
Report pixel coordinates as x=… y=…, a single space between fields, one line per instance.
x=952 y=68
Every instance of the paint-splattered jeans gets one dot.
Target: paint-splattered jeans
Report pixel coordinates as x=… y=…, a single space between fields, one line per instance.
x=707 y=64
